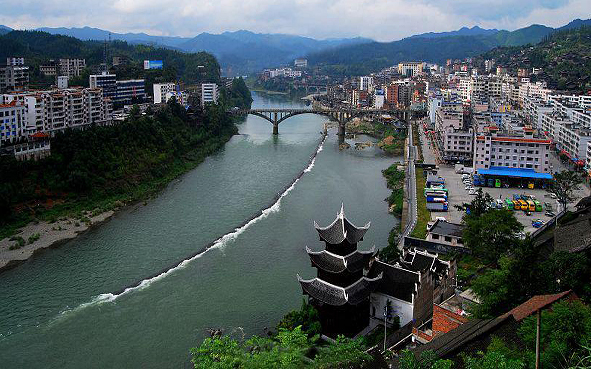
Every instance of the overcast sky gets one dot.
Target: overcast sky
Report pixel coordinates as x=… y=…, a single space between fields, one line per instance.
x=382 y=20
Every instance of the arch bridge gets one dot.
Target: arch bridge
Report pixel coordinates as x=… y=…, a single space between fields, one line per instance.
x=342 y=116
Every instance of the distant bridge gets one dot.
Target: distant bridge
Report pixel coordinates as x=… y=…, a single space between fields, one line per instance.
x=342 y=116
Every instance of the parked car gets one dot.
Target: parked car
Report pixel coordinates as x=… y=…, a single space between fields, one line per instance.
x=537 y=223
x=550 y=214
x=472 y=192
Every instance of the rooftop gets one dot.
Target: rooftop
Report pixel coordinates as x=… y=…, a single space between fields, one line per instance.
x=341 y=229
x=337 y=296
x=514 y=173
x=396 y=281
x=447 y=229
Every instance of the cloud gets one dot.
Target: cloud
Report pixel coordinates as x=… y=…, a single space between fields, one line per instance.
x=378 y=19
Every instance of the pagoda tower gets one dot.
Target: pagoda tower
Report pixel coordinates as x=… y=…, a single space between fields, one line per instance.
x=340 y=292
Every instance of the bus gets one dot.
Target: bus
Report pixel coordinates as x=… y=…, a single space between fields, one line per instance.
x=509 y=204
x=436 y=190
x=538 y=205
x=531 y=206
x=516 y=204
x=523 y=205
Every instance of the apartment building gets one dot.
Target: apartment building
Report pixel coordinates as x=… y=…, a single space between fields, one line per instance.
x=411 y=69
x=161 y=90
x=71 y=67
x=13 y=77
x=106 y=82
x=209 y=93
x=12 y=122
x=366 y=83
x=130 y=91
x=528 y=89
x=493 y=148
x=453 y=139
x=15 y=61
x=533 y=109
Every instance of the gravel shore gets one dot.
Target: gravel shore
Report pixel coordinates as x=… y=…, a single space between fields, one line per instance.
x=50 y=235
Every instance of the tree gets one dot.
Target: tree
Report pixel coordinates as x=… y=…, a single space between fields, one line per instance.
x=478 y=206
x=427 y=360
x=492 y=360
x=307 y=317
x=344 y=353
x=564 y=186
x=492 y=233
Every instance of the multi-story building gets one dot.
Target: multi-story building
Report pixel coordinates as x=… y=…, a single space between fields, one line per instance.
x=366 y=83
x=453 y=139
x=479 y=88
x=12 y=122
x=15 y=61
x=209 y=93
x=392 y=95
x=161 y=90
x=49 y=69
x=300 y=63
x=433 y=104
x=130 y=91
x=13 y=77
x=106 y=82
x=493 y=148
x=410 y=69
x=536 y=90
x=71 y=67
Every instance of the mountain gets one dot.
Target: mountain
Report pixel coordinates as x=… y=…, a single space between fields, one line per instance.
x=89 y=33
x=246 y=52
x=564 y=58
x=464 y=31
x=4 y=29
x=239 y=52
x=38 y=47
x=432 y=47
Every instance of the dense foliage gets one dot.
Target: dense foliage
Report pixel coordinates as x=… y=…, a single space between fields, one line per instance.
x=288 y=349
x=307 y=318
x=564 y=57
x=38 y=47
x=395 y=182
x=94 y=168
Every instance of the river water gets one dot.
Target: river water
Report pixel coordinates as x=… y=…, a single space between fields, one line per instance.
x=109 y=299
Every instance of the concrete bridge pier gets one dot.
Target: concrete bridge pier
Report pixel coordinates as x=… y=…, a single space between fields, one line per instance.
x=342 y=129
x=275 y=128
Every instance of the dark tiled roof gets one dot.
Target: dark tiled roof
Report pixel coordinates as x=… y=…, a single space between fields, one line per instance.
x=341 y=229
x=447 y=229
x=333 y=263
x=420 y=261
x=458 y=338
x=337 y=296
x=574 y=236
x=584 y=202
x=534 y=304
x=396 y=281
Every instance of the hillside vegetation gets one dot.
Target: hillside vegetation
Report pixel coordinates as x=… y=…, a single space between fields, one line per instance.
x=564 y=57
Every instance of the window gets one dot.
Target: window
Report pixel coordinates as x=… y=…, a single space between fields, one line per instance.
x=447 y=239
x=435 y=236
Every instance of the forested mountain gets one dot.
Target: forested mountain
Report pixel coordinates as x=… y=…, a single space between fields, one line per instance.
x=464 y=31
x=564 y=57
x=239 y=52
x=4 y=29
x=370 y=57
x=38 y=47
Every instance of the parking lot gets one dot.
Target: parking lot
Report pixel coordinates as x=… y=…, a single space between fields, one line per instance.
x=458 y=194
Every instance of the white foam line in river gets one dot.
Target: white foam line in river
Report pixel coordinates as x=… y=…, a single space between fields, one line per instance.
x=217 y=244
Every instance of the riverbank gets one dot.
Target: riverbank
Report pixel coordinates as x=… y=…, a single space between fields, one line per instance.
x=268 y=92
x=57 y=220
x=391 y=141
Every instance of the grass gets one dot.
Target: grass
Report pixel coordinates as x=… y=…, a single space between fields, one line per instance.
x=423 y=215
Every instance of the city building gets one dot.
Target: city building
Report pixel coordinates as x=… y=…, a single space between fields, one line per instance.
x=366 y=83
x=130 y=91
x=13 y=77
x=12 y=122
x=71 y=67
x=15 y=61
x=494 y=148
x=49 y=69
x=106 y=82
x=411 y=69
x=161 y=90
x=340 y=291
x=209 y=93
x=446 y=233
x=300 y=63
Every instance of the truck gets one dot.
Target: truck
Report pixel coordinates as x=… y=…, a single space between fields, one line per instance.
x=437 y=206
x=476 y=179
x=436 y=199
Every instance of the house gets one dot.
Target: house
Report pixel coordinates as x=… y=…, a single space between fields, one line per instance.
x=446 y=233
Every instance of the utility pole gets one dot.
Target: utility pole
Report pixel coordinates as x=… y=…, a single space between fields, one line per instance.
x=539 y=322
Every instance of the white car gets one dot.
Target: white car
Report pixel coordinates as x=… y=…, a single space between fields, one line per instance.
x=472 y=192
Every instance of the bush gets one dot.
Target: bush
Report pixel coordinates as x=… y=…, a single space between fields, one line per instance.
x=34 y=237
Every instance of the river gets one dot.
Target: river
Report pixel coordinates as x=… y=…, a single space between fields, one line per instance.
x=73 y=307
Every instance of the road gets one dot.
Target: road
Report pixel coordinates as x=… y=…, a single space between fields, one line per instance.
x=411 y=185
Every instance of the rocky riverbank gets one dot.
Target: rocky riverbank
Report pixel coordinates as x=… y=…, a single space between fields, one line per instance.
x=38 y=236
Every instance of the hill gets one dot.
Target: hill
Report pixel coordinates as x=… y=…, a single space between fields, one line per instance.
x=564 y=57
x=37 y=47
x=433 y=47
x=4 y=29
x=239 y=52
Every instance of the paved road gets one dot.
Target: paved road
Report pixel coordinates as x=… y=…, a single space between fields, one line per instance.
x=411 y=186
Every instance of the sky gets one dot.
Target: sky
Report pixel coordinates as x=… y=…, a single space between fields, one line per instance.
x=382 y=20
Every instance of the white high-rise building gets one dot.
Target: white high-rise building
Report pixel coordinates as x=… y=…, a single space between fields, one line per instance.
x=161 y=90
x=209 y=93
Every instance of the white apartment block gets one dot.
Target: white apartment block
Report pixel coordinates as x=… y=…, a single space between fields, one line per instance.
x=479 y=88
x=13 y=77
x=533 y=110
x=209 y=93
x=56 y=110
x=457 y=144
x=366 y=83
x=411 y=68
x=537 y=90
x=71 y=67
x=433 y=104
x=588 y=158
x=161 y=90
x=12 y=122
x=15 y=61
x=499 y=149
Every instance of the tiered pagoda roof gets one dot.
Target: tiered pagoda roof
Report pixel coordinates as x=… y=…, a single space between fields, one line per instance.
x=333 y=263
x=333 y=295
x=341 y=229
